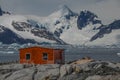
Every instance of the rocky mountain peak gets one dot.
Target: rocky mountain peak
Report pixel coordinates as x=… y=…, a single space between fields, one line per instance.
x=85 y=18
x=64 y=11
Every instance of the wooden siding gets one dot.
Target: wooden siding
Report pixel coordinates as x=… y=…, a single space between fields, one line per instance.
x=58 y=55
x=36 y=55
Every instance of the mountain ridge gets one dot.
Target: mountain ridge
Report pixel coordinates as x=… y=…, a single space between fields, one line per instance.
x=62 y=27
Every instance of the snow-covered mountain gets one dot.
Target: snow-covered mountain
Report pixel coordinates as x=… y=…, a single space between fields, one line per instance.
x=7 y=36
x=62 y=27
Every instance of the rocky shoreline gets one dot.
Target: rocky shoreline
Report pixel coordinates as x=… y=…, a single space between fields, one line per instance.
x=78 y=70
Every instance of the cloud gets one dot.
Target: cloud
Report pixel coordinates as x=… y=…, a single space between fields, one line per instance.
x=107 y=10
x=37 y=7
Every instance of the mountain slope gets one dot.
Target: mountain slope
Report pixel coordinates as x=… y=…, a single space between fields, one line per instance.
x=82 y=28
x=62 y=27
x=22 y=27
x=12 y=37
x=87 y=17
x=108 y=34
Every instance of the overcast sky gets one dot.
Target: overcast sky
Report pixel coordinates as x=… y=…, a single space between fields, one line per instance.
x=107 y=10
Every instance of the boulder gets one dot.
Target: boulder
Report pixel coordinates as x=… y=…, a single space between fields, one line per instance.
x=83 y=60
x=97 y=70
x=118 y=65
x=83 y=67
x=46 y=67
x=65 y=70
x=95 y=77
x=77 y=69
x=108 y=77
x=47 y=72
x=51 y=74
x=24 y=74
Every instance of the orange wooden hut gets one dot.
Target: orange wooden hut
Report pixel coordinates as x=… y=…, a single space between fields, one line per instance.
x=41 y=55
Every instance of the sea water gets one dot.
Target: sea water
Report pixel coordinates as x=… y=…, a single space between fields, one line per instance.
x=105 y=54
x=6 y=58
x=72 y=53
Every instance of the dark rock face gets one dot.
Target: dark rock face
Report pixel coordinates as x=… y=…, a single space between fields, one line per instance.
x=21 y=26
x=85 y=18
x=9 y=37
x=36 y=30
x=106 y=29
x=59 y=31
x=43 y=33
x=35 y=24
x=1 y=12
x=115 y=25
x=103 y=30
x=46 y=34
x=4 y=12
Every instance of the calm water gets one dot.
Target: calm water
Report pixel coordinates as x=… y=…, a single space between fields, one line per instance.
x=104 y=54
x=77 y=53
x=4 y=58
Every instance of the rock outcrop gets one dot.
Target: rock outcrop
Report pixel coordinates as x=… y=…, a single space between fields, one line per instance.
x=92 y=70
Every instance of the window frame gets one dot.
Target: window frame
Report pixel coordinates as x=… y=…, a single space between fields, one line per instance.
x=26 y=56
x=45 y=56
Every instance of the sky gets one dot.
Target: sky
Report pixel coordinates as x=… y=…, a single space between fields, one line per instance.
x=107 y=10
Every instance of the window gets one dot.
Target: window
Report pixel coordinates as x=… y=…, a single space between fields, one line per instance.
x=45 y=56
x=27 y=56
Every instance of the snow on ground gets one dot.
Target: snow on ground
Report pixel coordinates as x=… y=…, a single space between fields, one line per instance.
x=108 y=39
x=73 y=36
x=77 y=36
x=7 y=22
